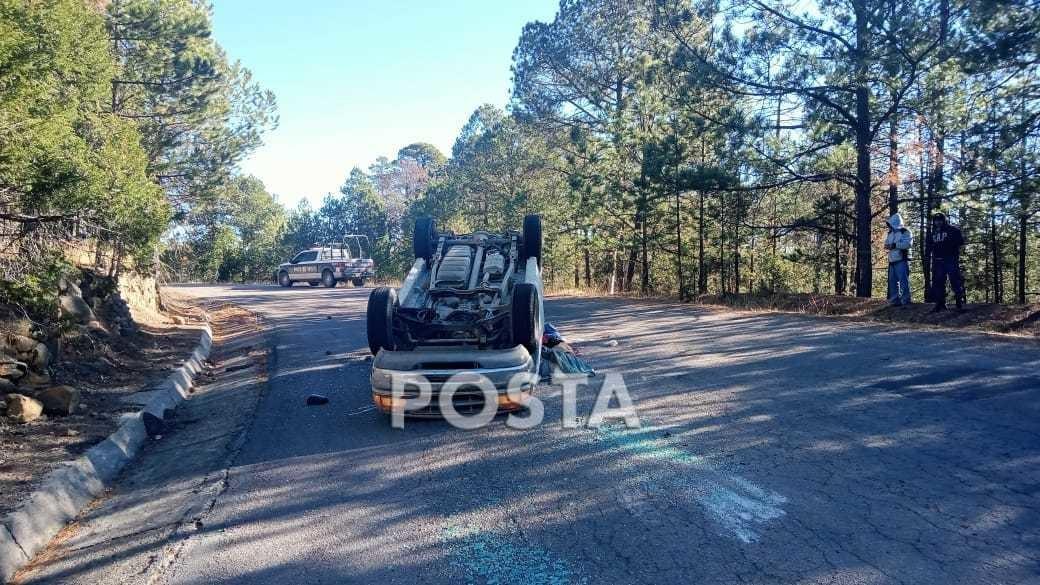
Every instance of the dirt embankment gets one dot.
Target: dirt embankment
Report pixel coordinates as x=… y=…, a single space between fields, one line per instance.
x=104 y=363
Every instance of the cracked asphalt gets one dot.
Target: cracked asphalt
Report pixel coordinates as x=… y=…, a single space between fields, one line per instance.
x=773 y=449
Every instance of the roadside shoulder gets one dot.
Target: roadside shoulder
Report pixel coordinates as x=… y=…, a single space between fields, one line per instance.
x=65 y=491
x=144 y=519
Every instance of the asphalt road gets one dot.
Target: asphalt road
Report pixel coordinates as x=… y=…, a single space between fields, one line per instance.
x=773 y=449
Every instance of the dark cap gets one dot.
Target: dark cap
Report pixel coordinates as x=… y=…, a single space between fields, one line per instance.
x=939 y=215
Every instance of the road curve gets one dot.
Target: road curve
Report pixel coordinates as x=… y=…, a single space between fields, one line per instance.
x=773 y=449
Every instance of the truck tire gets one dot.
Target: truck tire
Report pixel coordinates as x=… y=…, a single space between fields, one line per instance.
x=532 y=238
x=524 y=316
x=424 y=238
x=328 y=279
x=380 y=319
x=284 y=280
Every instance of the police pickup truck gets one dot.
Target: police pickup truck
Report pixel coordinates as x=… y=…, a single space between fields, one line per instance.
x=329 y=264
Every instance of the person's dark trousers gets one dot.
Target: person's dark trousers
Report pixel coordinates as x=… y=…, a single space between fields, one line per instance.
x=943 y=268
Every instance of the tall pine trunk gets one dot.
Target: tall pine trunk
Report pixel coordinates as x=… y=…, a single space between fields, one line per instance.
x=702 y=274
x=925 y=210
x=678 y=246
x=588 y=267
x=722 y=245
x=736 y=248
x=644 y=285
x=998 y=284
x=1023 y=233
x=893 y=166
x=864 y=257
x=839 y=272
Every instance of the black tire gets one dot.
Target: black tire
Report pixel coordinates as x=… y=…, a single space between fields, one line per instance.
x=283 y=279
x=424 y=238
x=328 y=279
x=380 y=319
x=524 y=316
x=358 y=282
x=532 y=239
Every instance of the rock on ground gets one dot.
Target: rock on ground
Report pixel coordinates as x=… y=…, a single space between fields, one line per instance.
x=63 y=400
x=75 y=308
x=22 y=409
x=66 y=286
x=11 y=368
x=15 y=344
x=39 y=357
x=36 y=380
x=119 y=315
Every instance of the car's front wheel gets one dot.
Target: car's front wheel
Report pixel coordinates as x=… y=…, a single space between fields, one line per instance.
x=424 y=238
x=284 y=280
x=532 y=243
x=328 y=279
x=524 y=316
x=380 y=319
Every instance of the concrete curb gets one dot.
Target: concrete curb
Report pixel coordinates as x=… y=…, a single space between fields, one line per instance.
x=71 y=487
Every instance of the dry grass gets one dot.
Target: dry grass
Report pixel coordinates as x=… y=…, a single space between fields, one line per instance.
x=1021 y=320
x=1017 y=320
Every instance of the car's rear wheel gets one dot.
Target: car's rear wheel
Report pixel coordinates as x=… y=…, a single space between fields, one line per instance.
x=358 y=282
x=284 y=280
x=328 y=279
x=424 y=238
x=524 y=316
x=380 y=319
x=532 y=242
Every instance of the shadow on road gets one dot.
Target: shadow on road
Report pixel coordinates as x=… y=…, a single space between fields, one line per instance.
x=775 y=448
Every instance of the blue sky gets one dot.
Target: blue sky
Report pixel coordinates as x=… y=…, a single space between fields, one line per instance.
x=359 y=79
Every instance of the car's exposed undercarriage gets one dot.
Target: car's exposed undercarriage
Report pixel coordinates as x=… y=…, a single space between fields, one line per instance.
x=470 y=290
x=468 y=300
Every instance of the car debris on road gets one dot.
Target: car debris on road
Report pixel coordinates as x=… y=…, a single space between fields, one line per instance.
x=559 y=356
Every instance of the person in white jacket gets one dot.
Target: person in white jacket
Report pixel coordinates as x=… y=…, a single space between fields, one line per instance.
x=898 y=243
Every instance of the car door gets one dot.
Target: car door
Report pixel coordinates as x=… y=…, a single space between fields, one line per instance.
x=324 y=261
x=303 y=266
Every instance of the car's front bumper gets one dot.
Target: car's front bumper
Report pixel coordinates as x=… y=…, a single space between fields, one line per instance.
x=436 y=367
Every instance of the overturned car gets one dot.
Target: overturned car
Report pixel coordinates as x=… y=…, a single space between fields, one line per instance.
x=471 y=305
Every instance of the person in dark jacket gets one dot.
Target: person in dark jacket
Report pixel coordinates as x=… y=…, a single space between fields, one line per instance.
x=946 y=254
